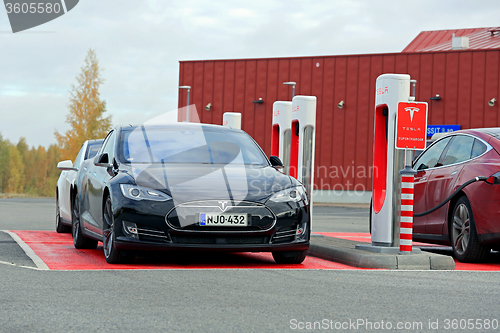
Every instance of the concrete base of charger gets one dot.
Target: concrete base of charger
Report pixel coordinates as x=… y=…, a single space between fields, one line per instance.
x=384 y=249
x=345 y=252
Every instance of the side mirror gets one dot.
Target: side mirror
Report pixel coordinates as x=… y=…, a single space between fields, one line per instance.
x=276 y=163
x=102 y=160
x=66 y=165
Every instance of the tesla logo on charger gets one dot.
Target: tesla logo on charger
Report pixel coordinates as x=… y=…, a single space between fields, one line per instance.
x=411 y=110
x=223 y=205
x=411 y=125
x=24 y=14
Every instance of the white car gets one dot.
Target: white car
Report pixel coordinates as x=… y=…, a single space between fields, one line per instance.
x=65 y=183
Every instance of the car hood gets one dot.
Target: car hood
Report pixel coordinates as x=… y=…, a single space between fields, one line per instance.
x=188 y=182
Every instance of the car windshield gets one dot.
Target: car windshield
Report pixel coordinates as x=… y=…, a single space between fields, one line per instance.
x=203 y=145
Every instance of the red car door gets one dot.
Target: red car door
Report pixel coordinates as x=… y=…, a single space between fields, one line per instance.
x=441 y=183
x=419 y=204
x=424 y=165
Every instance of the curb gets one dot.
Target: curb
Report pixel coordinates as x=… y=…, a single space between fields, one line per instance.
x=344 y=251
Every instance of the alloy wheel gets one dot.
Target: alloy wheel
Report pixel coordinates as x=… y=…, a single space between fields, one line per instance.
x=108 y=233
x=76 y=220
x=461 y=228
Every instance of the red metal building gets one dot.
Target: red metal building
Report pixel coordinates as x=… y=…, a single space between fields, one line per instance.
x=464 y=79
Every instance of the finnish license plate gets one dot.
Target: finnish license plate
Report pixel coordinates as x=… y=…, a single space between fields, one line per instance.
x=224 y=220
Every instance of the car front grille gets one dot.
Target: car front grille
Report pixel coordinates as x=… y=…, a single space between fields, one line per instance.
x=218 y=240
x=186 y=216
x=214 y=228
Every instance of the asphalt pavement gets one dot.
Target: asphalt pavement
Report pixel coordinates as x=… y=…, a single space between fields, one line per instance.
x=238 y=300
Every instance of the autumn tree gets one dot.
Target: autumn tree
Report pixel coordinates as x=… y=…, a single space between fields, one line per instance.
x=22 y=148
x=16 y=170
x=86 y=110
x=4 y=163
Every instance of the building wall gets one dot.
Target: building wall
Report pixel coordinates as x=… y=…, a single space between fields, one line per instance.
x=466 y=81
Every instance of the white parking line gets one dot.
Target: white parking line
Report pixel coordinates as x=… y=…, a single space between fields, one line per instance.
x=29 y=252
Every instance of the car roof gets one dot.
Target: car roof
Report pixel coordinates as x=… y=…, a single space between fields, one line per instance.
x=184 y=125
x=492 y=131
x=436 y=136
x=95 y=140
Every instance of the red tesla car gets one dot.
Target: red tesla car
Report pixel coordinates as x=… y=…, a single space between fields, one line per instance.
x=470 y=221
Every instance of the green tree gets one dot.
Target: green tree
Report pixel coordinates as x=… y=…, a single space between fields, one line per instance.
x=52 y=175
x=16 y=170
x=4 y=163
x=22 y=148
x=86 y=110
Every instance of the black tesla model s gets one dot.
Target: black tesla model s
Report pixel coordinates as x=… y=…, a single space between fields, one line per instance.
x=188 y=186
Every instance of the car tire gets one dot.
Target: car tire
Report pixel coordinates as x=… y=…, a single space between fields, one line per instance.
x=79 y=240
x=60 y=228
x=289 y=257
x=463 y=234
x=111 y=254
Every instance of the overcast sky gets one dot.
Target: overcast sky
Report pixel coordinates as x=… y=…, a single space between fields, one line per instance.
x=139 y=44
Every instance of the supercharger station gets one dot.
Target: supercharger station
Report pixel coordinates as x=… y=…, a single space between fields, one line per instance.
x=280 y=139
x=387 y=162
x=303 y=138
x=231 y=119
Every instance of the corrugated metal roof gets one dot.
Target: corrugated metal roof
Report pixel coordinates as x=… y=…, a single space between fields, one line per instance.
x=440 y=40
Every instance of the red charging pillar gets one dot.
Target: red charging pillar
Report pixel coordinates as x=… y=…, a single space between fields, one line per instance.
x=303 y=141
x=294 y=149
x=281 y=136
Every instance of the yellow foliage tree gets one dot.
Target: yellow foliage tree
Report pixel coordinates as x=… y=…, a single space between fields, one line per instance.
x=16 y=171
x=4 y=163
x=86 y=110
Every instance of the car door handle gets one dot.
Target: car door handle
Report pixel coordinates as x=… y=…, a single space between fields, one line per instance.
x=423 y=178
x=454 y=172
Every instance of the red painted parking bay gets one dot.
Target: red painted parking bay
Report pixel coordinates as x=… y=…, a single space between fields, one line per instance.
x=57 y=252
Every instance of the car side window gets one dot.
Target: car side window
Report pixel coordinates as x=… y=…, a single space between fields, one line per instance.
x=104 y=144
x=430 y=157
x=478 y=149
x=92 y=149
x=109 y=145
x=78 y=158
x=460 y=150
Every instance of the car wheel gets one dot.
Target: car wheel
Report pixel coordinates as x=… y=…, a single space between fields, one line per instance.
x=111 y=254
x=464 y=240
x=79 y=240
x=289 y=257
x=60 y=228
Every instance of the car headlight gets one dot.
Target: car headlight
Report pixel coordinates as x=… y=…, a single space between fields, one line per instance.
x=293 y=194
x=141 y=193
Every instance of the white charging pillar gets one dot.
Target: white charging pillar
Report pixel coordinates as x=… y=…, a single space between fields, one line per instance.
x=303 y=138
x=387 y=161
x=280 y=139
x=231 y=119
